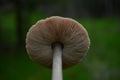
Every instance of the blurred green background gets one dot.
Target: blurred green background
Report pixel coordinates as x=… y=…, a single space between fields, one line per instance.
x=101 y=18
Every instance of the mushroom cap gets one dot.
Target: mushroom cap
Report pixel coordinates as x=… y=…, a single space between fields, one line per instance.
x=67 y=31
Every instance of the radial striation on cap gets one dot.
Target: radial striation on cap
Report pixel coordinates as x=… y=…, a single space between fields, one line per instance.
x=71 y=34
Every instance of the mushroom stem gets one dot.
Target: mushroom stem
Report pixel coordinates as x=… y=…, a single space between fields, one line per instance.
x=57 y=62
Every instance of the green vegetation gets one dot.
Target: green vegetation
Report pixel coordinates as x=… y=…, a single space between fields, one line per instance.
x=101 y=63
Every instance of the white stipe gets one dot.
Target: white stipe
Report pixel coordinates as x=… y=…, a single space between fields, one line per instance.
x=57 y=62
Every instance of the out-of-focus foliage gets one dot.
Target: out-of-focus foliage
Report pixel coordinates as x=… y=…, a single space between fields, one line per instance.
x=100 y=18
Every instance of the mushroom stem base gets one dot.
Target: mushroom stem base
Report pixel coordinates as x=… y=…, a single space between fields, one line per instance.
x=57 y=62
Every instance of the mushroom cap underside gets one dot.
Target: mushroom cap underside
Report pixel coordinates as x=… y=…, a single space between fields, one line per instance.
x=67 y=31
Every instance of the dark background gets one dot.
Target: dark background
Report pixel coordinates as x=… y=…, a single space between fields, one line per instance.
x=101 y=18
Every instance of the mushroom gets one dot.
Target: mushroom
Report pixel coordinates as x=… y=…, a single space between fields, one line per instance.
x=57 y=43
